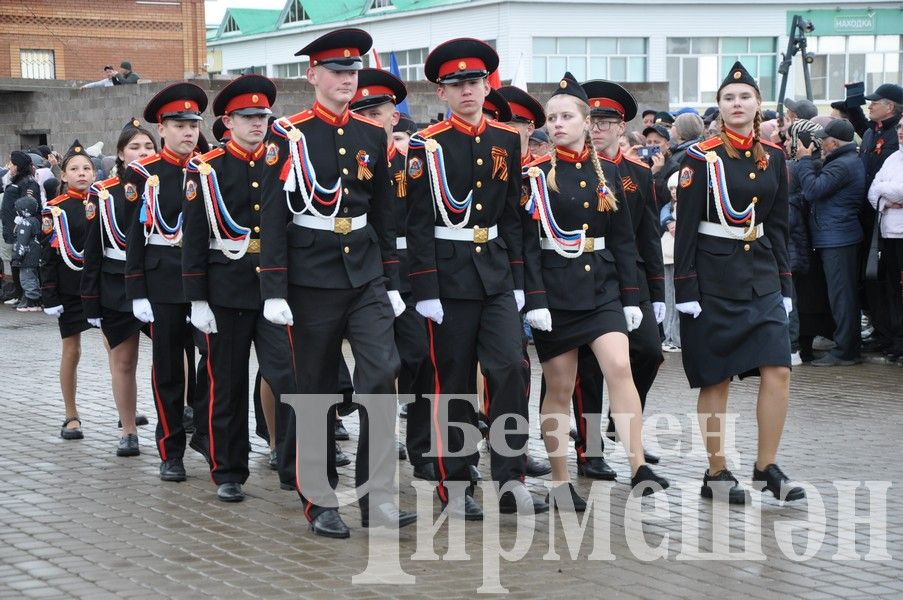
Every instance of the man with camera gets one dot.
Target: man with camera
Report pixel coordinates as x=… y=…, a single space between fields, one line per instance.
x=657 y=154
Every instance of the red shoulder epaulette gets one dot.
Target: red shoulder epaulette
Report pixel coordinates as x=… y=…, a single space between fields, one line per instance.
x=295 y=119
x=770 y=143
x=148 y=159
x=710 y=144
x=207 y=156
x=504 y=126
x=366 y=120
x=111 y=182
x=436 y=128
x=636 y=161
x=540 y=160
x=58 y=199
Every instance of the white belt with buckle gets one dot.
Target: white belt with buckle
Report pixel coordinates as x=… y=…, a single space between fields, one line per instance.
x=155 y=239
x=401 y=243
x=477 y=235
x=589 y=244
x=114 y=253
x=335 y=224
x=236 y=245
x=717 y=230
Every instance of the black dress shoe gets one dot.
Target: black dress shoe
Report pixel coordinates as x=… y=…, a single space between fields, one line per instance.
x=652 y=459
x=139 y=421
x=402 y=452
x=714 y=486
x=537 y=468
x=518 y=499
x=329 y=524
x=565 y=497
x=645 y=475
x=172 y=470
x=128 y=445
x=274 y=461
x=426 y=471
x=341 y=434
x=464 y=507
x=230 y=492
x=341 y=459
x=778 y=484
x=387 y=515
x=200 y=444
x=596 y=468
x=72 y=433
x=188 y=419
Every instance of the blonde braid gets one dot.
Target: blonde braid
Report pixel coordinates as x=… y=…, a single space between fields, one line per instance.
x=728 y=146
x=608 y=202
x=550 y=178
x=758 y=149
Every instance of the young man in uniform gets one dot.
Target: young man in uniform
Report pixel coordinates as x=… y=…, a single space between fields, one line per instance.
x=466 y=240
x=153 y=274
x=329 y=266
x=220 y=256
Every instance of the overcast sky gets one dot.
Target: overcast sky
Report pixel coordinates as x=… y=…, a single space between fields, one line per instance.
x=215 y=9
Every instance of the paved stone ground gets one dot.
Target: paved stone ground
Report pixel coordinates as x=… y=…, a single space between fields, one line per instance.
x=76 y=521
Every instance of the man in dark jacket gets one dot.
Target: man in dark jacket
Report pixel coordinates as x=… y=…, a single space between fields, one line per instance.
x=126 y=75
x=835 y=193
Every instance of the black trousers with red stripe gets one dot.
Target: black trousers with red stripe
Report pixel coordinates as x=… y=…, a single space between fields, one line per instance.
x=414 y=379
x=322 y=319
x=488 y=331
x=169 y=331
x=225 y=412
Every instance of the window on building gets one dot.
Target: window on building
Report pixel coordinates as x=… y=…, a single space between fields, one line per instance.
x=231 y=26
x=248 y=71
x=296 y=13
x=410 y=63
x=874 y=59
x=296 y=70
x=37 y=64
x=696 y=66
x=380 y=4
x=617 y=59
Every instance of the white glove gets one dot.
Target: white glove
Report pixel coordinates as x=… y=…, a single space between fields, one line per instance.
x=689 y=308
x=141 y=308
x=431 y=309
x=276 y=311
x=54 y=311
x=396 y=302
x=658 y=309
x=519 y=299
x=788 y=305
x=94 y=322
x=634 y=317
x=202 y=316
x=540 y=319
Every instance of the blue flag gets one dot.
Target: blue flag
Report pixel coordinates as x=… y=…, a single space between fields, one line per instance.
x=402 y=106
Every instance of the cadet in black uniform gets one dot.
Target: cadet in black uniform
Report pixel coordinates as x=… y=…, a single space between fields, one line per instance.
x=328 y=263
x=220 y=258
x=103 y=280
x=153 y=276
x=588 y=273
x=732 y=278
x=64 y=223
x=466 y=242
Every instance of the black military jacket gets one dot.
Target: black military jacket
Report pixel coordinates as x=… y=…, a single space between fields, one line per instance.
x=155 y=272
x=56 y=277
x=103 y=280
x=730 y=268
x=397 y=163
x=639 y=191
x=346 y=146
x=486 y=159
x=208 y=274
x=878 y=142
x=594 y=278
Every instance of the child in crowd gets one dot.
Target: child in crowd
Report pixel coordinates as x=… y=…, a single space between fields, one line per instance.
x=26 y=253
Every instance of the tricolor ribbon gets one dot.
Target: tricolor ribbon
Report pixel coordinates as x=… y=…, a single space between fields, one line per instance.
x=302 y=177
x=150 y=214
x=727 y=215
x=63 y=239
x=218 y=216
x=108 y=216
x=443 y=198
x=568 y=244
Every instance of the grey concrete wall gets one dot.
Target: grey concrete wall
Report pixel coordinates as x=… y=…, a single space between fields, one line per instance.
x=65 y=112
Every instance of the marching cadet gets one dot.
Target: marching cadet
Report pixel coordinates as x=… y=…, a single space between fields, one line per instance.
x=103 y=280
x=327 y=251
x=220 y=260
x=153 y=275
x=588 y=273
x=64 y=224
x=377 y=94
x=732 y=278
x=611 y=107
x=465 y=236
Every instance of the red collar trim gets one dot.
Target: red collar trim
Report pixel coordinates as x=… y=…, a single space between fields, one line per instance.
x=330 y=117
x=391 y=152
x=465 y=127
x=173 y=158
x=526 y=160
x=76 y=194
x=240 y=153
x=738 y=141
x=571 y=156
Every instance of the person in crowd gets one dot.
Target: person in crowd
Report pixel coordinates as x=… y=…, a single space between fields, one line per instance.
x=886 y=197
x=687 y=130
x=834 y=194
x=19 y=181
x=539 y=143
x=662 y=163
x=26 y=254
x=125 y=75
x=732 y=280
x=64 y=225
x=108 y=74
x=649 y=117
x=668 y=220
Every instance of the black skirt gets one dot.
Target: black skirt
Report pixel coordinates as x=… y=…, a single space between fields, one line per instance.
x=118 y=326
x=72 y=321
x=574 y=328
x=734 y=338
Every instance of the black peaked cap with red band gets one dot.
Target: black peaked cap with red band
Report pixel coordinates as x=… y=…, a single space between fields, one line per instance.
x=220 y=132
x=181 y=101
x=524 y=107
x=568 y=85
x=608 y=99
x=497 y=107
x=247 y=95
x=460 y=59
x=375 y=87
x=338 y=50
